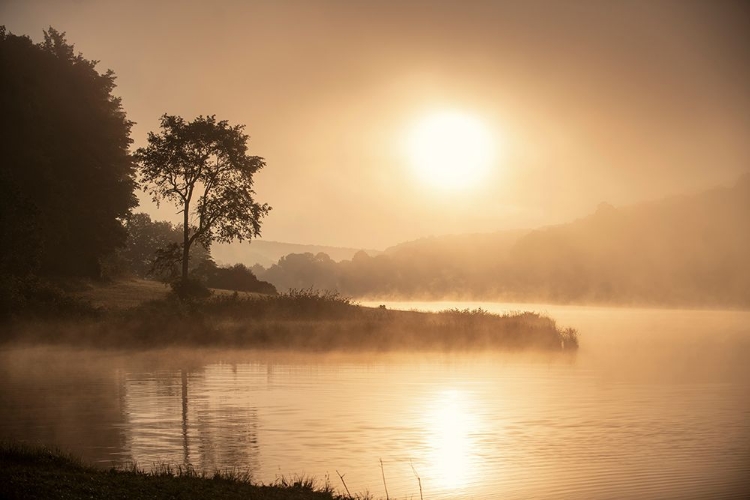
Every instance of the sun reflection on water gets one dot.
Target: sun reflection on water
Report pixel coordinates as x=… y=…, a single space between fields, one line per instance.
x=451 y=426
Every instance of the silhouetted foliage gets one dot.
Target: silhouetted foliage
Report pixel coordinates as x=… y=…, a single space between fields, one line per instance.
x=66 y=180
x=237 y=277
x=203 y=167
x=153 y=249
x=167 y=263
x=145 y=238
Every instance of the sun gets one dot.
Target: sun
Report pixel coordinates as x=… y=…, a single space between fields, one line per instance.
x=451 y=150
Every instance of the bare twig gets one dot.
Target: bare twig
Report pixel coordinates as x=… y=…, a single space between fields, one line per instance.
x=382 y=471
x=419 y=480
x=344 y=483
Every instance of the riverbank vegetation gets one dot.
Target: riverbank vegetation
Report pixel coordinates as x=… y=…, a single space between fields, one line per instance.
x=31 y=473
x=299 y=319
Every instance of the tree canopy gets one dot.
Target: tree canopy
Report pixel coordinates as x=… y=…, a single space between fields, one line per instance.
x=204 y=168
x=66 y=178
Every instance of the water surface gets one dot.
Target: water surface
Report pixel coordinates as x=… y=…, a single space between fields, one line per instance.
x=654 y=405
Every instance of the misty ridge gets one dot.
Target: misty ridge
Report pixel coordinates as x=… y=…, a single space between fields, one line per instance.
x=267 y=253
x=688 y=250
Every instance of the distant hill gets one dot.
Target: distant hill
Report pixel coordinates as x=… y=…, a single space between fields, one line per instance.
x=267 y=253
x=684 y=250
x=692 y=249
x=453 y=266
x=477 y=250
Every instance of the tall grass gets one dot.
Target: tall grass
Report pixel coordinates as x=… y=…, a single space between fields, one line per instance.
x=40 y=472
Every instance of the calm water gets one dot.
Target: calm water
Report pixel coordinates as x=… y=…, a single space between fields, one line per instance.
x=656 y=404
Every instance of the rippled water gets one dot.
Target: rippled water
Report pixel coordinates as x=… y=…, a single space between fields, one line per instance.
x=656 y=404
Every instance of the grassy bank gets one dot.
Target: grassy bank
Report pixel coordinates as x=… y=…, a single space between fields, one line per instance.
x=37 y=473
x=306 y=319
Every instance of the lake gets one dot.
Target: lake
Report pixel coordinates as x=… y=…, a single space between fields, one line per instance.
x=655 y=404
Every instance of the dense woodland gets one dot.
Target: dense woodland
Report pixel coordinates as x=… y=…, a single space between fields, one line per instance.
x=67 y=178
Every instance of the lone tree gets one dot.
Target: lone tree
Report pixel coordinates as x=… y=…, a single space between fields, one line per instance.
x=203 y=167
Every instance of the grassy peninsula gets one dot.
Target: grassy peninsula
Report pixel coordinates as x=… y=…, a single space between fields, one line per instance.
x=145 y=315
x=129 y=317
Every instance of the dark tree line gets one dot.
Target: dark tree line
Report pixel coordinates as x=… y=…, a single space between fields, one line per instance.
x=67 y=178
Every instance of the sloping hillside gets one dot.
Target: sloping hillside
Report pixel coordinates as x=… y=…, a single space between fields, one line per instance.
x=681 y=250
x=685 y=250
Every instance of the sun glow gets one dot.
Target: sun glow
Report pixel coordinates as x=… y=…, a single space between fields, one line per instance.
x=451 y=150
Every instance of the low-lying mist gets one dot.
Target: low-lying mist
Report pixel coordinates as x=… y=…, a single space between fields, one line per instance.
x=306 y=319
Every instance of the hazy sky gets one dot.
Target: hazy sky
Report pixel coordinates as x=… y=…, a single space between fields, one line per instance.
x=587 y=101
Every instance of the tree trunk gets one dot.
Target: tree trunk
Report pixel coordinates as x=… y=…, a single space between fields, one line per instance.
x=185 y=243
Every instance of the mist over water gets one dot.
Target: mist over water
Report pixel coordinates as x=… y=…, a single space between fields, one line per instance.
x=653 y=405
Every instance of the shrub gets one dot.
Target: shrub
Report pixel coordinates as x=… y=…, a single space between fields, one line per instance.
x=190 y=289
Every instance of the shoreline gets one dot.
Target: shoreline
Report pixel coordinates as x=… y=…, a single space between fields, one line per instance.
x=38 y=472
x=322 y=325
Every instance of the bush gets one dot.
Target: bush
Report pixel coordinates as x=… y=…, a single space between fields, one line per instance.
x=237 y=277
x=190 y=289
